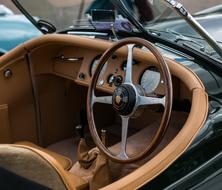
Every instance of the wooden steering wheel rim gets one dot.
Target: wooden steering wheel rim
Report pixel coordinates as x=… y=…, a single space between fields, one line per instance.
x=168 y=100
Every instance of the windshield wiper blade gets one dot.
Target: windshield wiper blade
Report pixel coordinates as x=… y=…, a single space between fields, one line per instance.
x=179 y=8
x=186 y=41
x=180 y=37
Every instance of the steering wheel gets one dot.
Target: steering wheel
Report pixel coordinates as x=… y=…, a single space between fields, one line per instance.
x=127 y=98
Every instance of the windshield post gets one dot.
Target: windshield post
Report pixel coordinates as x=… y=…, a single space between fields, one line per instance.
x=179 y=8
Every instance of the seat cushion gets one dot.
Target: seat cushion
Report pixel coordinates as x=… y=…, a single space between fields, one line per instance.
x=65 y=162
x=39 y=167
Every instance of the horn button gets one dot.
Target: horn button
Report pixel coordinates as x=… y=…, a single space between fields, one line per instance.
x=124 y=99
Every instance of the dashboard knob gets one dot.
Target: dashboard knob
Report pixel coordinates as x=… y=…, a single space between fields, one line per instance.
x=8 y=73
x=118 y=80
x=81 y=76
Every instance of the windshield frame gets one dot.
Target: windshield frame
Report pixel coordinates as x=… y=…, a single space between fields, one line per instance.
x=143 y=33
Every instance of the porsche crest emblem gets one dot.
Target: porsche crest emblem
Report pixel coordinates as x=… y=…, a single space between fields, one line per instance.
x=118 y=100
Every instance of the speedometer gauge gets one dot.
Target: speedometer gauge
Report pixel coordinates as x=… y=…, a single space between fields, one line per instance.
x=150 y=79
x=94 y=66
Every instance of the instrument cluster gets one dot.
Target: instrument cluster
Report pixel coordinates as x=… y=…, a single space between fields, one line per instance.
x=149 y=78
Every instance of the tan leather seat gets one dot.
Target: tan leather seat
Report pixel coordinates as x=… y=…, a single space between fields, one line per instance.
x=38 y=166
x=65 y=162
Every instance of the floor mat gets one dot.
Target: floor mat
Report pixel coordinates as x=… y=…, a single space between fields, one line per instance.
x=68 y=147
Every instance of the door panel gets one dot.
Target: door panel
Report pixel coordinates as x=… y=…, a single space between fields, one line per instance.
x=17 y=117
x=5 y=132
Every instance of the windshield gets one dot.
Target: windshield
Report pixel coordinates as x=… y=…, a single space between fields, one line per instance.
x=154 y=15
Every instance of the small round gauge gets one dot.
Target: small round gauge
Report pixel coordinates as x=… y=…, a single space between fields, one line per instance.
x=94 y=66
x=110 y=80
x=150 y=79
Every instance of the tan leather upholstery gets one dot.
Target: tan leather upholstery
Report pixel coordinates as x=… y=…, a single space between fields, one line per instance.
x=39 y=167
x=65 y=162
x=42 y=53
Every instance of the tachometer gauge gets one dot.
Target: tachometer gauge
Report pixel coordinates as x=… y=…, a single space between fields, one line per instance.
x=94 y=66
x=150 y=79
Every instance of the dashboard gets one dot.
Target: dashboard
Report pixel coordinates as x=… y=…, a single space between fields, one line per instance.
x=76 y=58
x=80 y=64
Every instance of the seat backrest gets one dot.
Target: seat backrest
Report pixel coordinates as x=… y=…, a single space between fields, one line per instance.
x=35 y=165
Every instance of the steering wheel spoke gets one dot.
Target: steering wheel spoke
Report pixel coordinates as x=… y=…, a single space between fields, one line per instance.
x=129 y=65
x=147 y=100
x=125 y=123
x=102 y=99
